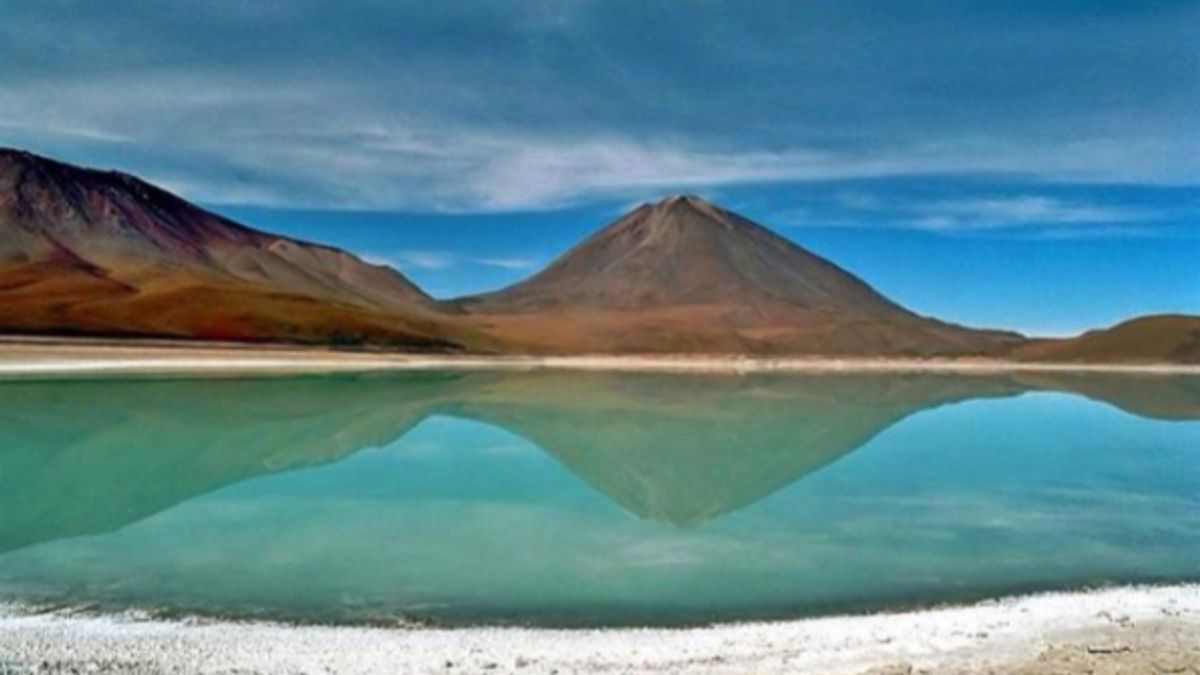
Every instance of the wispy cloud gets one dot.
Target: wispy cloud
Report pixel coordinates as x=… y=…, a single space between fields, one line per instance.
x=383 y=106
x=326 y=144
x=418 y=260
x=69 y=132
x=436 y=260
x=1030 y=215
x=1002 y=212
x=508 y=263
x=1090 y=232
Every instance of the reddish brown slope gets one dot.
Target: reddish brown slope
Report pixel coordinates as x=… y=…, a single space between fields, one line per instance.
x=684 y=275
x=1163 y=338
x=91 y=252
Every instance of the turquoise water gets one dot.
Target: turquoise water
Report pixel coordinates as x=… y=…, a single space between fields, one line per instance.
x=588 y=498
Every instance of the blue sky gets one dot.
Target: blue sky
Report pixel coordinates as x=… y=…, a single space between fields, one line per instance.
x=1029 y=165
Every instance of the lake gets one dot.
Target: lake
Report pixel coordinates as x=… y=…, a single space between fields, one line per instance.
x=564 y=498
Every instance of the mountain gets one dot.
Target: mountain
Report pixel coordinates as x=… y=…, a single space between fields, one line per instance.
x=684 y=275
x=87 y=252
x=95 y=252
x=1169 y=338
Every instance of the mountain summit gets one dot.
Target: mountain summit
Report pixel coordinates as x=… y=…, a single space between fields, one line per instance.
x=102 y=252
x=687 y=251
x=685 y=275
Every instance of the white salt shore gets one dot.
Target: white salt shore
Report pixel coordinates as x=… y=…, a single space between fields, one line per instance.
x=1132 y=629
x=64 y=357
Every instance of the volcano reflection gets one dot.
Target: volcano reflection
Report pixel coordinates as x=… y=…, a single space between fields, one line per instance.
x=86 y=457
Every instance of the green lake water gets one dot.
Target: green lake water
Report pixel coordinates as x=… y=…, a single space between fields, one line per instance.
x=591 y=498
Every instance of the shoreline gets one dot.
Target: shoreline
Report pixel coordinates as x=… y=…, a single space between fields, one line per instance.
x=1123 y=629
x=24 y=358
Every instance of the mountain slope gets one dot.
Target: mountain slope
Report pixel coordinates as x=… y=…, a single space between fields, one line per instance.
x=1162 y=338
x=92 y=252
x=684 y=275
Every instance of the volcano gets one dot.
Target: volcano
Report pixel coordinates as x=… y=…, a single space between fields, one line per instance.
x=685 y=275
x=105 y=253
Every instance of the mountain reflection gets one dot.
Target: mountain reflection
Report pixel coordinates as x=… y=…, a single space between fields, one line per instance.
x=85 y=457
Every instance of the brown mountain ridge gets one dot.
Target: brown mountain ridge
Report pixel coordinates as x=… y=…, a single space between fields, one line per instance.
x=1162 y=338
x=87 y=252
x=104 y=253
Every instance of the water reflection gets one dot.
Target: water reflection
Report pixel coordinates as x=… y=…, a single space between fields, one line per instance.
x=87 y=457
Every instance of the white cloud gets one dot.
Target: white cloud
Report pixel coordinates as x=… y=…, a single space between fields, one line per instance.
x=997 y=212
x=70 y=132
x=325 y=144
x=443 y=260
x=508 y=263
x=413 y=259
x=426 y=260
x=386 y=105
x=1026 y=216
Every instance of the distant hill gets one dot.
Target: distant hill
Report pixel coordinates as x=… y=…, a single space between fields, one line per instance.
x=1171 y=338
x=95 y=252
x=684 y=275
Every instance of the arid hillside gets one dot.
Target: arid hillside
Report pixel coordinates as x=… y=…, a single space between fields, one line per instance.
x=104 y=253
x=1172 y=338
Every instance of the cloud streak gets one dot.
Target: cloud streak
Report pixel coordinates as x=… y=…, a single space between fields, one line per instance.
x=442 y=260
x=382 y=106
x=1057 y=213
x=1004 y=212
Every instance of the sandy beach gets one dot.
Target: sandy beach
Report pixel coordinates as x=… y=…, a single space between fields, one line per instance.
x=1122 y=630
x=35 y=357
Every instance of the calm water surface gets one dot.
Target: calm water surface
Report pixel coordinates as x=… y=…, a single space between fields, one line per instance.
x=588 y=498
